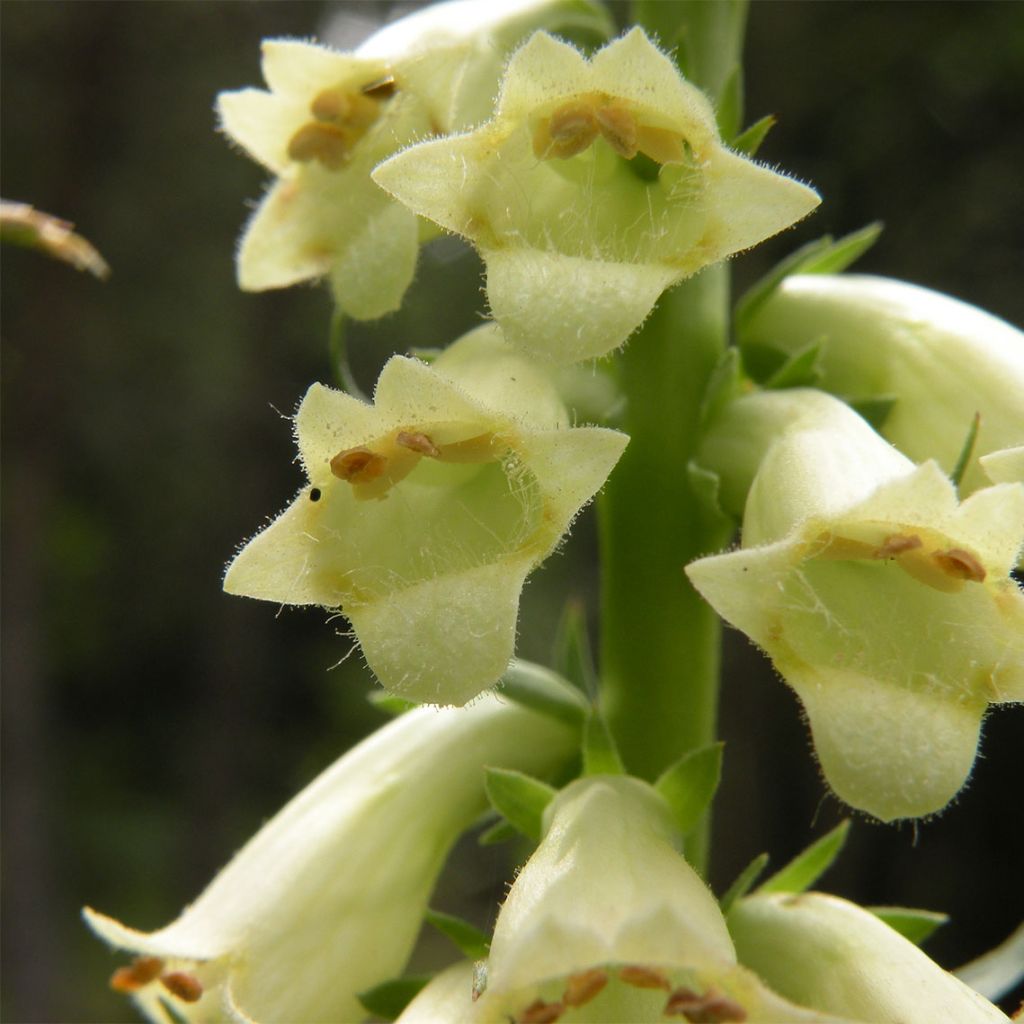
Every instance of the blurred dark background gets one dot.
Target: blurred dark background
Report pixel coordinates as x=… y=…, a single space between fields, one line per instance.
x=151 y=723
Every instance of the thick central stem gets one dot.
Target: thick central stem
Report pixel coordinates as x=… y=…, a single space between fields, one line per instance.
x=660 y=640
x=660 y=654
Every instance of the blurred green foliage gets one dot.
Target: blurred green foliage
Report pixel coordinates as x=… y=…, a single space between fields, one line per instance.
x=150 y=722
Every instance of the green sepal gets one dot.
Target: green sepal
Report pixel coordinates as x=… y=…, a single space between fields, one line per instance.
x=520 y=799
x=500 y=832
x=689 y=785
x=746 y=878
x=539 y=689
x=964 y=458
x=875 y=409
x=915 y=925
x=471 y=941
x=391 y=705
x=807 y=867
x=726 y=382
x=729 y=112
x=600 y=754
x=822 y=256
x=801 y=370
x=390 y=998
x=706 y=486
x=749 y=140
x=572 y=655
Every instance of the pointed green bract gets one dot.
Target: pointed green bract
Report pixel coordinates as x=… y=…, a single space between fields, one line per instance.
x=542 y=690
x=600 y=755
x=580 y=239
x=912 y=924
x=807 y=867
x=744 y=882
x=885 y=603
x=472 y=942
x=521 y=800
x=425 y=512
x=689 y=786
x=327 y=873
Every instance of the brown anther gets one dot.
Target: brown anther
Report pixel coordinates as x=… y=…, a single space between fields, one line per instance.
x=358 y=465
x=710 y=1008
x=139 y=973
x=539 y=1012
x=644 y=977
x=960 y=564
x=381 y=89
x=330 y=105
x=582 y=987
x=567 y=132
x=187 y=987
x=323 y=141
x=619 y=128
x=419 y=443
x=897 y=544
x=354 y=111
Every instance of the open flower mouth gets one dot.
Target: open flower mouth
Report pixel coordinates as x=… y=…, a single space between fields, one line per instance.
x=340 y=117
x=416 y=503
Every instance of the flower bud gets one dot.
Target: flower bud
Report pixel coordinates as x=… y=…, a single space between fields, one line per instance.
x=826 y=952
x=607 y=922
x=425 y=512
x=943 y=361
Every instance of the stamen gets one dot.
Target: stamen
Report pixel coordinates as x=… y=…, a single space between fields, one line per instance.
x=539 y=1012
x=187 y=987
x=567 y=132
x=581 y=988
x=897 y=544
x=358 y=465
x=960 y=564
x=619 y=128
x=323 y=141
x=710 y=1008
x=381 y=89
x=138 y=974
x=644 y=977
x=419 y=443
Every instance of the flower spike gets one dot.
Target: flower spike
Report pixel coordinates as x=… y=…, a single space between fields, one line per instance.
x=425 y=512
x=597 y=185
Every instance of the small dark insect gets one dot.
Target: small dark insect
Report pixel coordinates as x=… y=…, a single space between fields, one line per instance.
x=314 y=494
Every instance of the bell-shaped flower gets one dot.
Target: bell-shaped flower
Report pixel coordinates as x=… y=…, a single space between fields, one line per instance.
x=826 y=952
x=327 y=899
x=598 y=184
x=330 y=117
x=885 y=603
x=425 y=512
x=942 y=360
x=607 y=922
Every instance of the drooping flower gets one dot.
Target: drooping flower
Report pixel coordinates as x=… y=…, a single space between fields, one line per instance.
x=329 y=118
x=942 y=360
x=826 y=952
x=425 y=512
x=607 y=922
x=327 y=899
x=597 y=185
x=884 y=602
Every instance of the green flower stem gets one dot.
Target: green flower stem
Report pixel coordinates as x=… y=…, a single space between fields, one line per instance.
x=660 y=642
